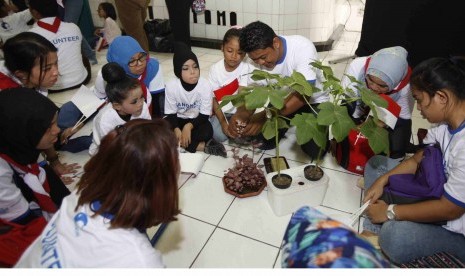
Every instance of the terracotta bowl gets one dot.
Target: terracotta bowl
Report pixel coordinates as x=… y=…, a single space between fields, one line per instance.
x=245 y=193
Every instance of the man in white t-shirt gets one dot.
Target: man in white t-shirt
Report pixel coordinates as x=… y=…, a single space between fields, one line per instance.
x=67 y=38
x=280 y=55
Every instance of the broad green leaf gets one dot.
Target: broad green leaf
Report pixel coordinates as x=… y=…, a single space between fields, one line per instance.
x=277 y=98
x=232 y=99
x=371 y=98
x=377 y=136
x=257 y=98
x=326 y=113
x=340 y=129
x=269 y=129
x=259 y=75
x=307 y=129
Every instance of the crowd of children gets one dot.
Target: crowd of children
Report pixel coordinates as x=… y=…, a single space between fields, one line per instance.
x=145 y=121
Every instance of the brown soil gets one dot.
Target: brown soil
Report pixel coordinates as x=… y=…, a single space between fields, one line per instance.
x=313 y=172
x=282 y=182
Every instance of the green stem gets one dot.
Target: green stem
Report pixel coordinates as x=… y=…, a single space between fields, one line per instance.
x=277 y=144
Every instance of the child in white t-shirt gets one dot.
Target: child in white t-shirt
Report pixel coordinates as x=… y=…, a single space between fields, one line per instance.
x=126 y=103
x=188 y=105
x=110 y=28
x=226 y=76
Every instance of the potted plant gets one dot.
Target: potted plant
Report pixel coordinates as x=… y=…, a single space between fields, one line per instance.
x=245 y=179
x=332 y=115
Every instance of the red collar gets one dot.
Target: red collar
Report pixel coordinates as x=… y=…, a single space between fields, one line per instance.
x=50 y=27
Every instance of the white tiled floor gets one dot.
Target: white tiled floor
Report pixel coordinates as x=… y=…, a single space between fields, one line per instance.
x=216 y=229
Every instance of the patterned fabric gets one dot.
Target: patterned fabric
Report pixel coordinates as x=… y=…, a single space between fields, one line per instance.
x=438 y=260
x=314 y=240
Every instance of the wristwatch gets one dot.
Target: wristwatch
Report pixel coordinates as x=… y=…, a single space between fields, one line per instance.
x=390 y=212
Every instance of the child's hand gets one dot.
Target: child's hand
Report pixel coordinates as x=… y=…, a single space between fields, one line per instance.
x=186 y=135
x=178 y=134
x=68 y=133
x=64 y=168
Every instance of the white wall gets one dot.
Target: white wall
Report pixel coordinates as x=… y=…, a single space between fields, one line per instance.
x=314 y=19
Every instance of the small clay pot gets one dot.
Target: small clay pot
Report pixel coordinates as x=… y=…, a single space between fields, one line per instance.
x=281 y=181
x=313 y=172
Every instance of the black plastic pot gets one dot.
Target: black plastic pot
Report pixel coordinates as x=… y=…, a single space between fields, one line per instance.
x=313 y=172
x=281 y=181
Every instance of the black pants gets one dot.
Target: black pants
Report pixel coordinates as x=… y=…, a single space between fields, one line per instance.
x=178 y=11
x=201 y=133
x=399 y=138
x=158 y=105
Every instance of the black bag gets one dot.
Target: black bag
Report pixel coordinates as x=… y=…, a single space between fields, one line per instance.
x=159 y=34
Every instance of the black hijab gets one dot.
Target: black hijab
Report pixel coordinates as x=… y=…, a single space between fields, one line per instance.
x=183 y=53
x=25 y=116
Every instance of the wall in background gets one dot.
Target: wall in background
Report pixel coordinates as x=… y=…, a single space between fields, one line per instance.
x=314 y=19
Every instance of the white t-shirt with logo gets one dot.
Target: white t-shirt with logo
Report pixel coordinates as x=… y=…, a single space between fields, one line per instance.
x=67 y=40
x=73 y=238
x=188 y=104
x=14 y=24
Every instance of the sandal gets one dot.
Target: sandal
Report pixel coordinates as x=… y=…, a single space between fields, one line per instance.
x=215 y=148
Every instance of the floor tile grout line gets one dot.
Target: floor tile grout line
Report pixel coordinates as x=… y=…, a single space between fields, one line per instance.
x=216 y=227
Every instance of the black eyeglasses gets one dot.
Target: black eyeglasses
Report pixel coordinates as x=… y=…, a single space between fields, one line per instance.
x=140 y=60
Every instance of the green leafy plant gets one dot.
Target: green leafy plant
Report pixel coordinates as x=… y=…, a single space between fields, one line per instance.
x=332 y=115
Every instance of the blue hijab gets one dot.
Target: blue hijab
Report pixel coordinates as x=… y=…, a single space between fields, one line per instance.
x=121 y=51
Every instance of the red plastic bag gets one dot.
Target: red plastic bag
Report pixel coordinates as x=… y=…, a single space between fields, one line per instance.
x=353 y=152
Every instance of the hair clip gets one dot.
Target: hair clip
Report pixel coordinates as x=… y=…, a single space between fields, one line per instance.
x=120 y=129
x=237 y=27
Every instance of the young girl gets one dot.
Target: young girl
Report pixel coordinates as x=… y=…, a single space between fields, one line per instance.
x=137 y=63
x=110 y=28
x=28 y=125
x=31 y=61
x=438 y=86
x=225 y=78
x=127 y=103
x=387 y=72
x=188 y=104
x=128 y=186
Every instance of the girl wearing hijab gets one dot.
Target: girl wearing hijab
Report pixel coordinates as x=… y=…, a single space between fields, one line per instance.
x=29 y=194
x=188 y=104
x=386 y=72
x=137 y=64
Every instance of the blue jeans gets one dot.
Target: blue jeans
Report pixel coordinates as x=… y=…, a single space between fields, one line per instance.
x=377 y=166
x=218 y=133
x=68 y=116
x=403 y=241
